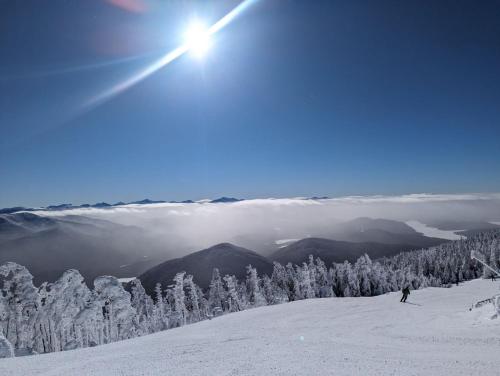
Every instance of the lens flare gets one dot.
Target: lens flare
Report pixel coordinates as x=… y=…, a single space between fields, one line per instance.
x=198 y=38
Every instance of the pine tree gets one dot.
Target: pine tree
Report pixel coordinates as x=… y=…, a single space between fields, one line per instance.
x=363 y=268
x=20 y=305
x=179 y=312
x=255 y=297
x=160 y=318
x=233 y=299
x=117 y=311
x=62 y=302
x=192 y=300
x=305 y=282
x=216 y=294
x=143 y=305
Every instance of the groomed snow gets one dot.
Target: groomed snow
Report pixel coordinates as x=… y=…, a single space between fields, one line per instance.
x=434 y=335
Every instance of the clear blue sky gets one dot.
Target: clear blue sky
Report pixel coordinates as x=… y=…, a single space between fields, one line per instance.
x=294 y=98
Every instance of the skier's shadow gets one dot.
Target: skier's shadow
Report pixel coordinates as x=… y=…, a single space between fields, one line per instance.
x=420 y=305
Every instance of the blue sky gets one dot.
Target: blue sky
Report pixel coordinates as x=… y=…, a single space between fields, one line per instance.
x=295 y=98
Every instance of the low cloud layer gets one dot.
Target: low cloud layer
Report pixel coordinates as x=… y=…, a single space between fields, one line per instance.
x=259 y=223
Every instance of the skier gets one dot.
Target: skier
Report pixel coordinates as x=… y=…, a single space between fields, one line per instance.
x=406 y=292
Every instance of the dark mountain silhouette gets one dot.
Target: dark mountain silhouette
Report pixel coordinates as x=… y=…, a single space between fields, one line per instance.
x=13 y=210
x=228 y=258
x=225 y=200
x=334 y=251
x=147 y=201
x=48 y=246
x=17 y=225
x=466 y=228
x=381 y=231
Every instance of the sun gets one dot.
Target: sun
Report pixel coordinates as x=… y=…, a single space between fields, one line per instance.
x=197 y=38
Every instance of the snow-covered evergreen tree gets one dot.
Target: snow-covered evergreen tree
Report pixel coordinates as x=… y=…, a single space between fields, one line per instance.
x=363 y=268
x=179 y=311
x=6 y=348
x=61 y=303
x=255 y=297
x=306 y=283
x=143 y=305
x=160 y=317
x=192 y=300
x=233 y=299
x=118 y=314
x=20 y=305
x=216 y=293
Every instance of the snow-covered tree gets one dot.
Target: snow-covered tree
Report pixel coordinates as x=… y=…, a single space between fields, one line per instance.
x=118 y=314
x=255 y=297
x=363 y=268
x=6 y=348
x=216 y=293
x=20 y=305
x=160 y=316
x=233 y=299
x=192 y=300
x=61 y=303
x=143 y=305
x=323 y=280
x=179 y=311
x=306 y=283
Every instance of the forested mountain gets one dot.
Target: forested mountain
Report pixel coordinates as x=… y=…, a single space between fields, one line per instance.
x=228 y=258
x=379 y=230
x=466 y=228
x=335 y=251
x=66 y=314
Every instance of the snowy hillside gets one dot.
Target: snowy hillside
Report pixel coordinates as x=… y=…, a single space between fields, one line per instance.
x=433 y=334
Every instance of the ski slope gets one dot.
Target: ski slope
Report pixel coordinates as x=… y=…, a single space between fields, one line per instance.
x=433 y=334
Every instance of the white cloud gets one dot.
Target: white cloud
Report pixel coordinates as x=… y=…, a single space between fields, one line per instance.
x=258 y=223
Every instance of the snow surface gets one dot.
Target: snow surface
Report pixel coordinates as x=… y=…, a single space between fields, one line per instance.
x=126 y=280
x=434 y=232
x=433 y=334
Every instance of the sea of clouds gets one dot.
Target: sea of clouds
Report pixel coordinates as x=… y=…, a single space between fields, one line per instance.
x=261 y=224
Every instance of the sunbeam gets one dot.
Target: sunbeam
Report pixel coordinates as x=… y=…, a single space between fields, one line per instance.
x=169 y=57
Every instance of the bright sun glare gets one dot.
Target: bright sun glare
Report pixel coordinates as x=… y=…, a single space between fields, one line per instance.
x=198 y=38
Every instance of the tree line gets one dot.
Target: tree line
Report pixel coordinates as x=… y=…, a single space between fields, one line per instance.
x=67 y=314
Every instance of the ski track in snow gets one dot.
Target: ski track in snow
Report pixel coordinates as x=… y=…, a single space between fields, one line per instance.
x=434 y=232
x=335 y=336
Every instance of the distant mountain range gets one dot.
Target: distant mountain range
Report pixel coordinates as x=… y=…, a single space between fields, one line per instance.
x=102 y=205
x=145 y=201
x=48 y=246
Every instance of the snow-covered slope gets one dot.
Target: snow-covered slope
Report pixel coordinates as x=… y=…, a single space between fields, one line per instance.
x=433 y=334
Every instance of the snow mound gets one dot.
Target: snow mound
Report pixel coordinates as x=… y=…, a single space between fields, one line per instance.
x=435 y=333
